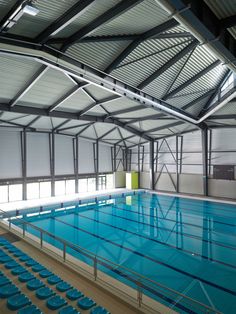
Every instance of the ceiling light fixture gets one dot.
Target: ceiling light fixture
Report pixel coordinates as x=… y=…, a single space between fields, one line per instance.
x=30 y=9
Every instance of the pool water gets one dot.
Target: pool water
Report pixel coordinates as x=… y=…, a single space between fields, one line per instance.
x=187 y=245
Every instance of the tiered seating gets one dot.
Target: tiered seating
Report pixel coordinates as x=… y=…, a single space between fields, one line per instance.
x=38 y=278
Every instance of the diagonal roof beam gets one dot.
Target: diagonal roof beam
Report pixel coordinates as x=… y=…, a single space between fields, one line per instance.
x=124 y=139
x=84 y=129
x=149 y=117
x=7 y=17
x=193 y=79
x=222 y=116
x=33 y=121
x=67 y=18
x=193 y=102
x=147 y=35
x=217 y=90
x=106 y=133
x=109 y=15
x=168 y=64
x=61 y=124
x=228 y=22
x=73 y=127
x=97 y=103
x=32 y=81
x=16 y=124
x=114 y=38
x=122 y=111
x=65 y=97
x=167 y=126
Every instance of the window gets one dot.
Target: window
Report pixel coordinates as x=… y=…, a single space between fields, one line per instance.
x=44 y=189
x=101 y=183
x=70 y=186
x=32 y=190
x=83 y=185
x=15 y=192
x=60 y=188
x=3 y=193
x=110 y=184
x=91 y=184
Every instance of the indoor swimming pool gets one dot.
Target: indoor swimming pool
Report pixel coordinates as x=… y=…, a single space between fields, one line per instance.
x=185 y=244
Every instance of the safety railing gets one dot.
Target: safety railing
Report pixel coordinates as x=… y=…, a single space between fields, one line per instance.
x=144 y=286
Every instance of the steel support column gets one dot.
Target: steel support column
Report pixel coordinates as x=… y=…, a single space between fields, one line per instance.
x=52 y=161
x=24 y=163
x=205 y=160
x=139 y=168
x=177 y=164
x=114 y=160
x=96 y=162
x=151 y=164
x=76 y=162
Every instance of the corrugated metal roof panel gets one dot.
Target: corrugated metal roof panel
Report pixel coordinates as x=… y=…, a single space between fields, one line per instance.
x=98 y=55
x=198 y=61
x=229 y=108
x=89 y=132
x=222 y=8
x=127 y=23
x=97 y=9
x=49 y=11
x=76 y=102
x=6 y=5
x=162 y=84
x=48 y=89
x=119 y=104
x=209 y=80
x=181 y=101
x=98 y=92
x=144 y=67
x=16 y=73
x=197 y=107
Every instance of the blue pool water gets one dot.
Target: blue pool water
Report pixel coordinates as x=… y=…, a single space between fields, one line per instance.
x=187 y=245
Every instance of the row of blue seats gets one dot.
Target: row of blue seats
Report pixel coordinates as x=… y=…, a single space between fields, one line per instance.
x=18 y=301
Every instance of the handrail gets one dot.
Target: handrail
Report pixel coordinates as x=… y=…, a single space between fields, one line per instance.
x=103 y=261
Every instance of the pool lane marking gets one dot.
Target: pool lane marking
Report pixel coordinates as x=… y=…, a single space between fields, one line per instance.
x=157 y=241
x=167 y=219
x=160 y=197
x=150 y=258
x=187 y=211
x=185 y=214
x=162 y=228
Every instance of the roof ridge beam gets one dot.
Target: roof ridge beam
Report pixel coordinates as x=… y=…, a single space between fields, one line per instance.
x=168 y=64
x=68 y=17
x=134 y=44
x=107 y=16
x=193 y=79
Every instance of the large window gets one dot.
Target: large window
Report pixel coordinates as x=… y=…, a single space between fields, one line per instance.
x=60 y=188
x=15 y=192
x=70 y=186
x=91 y=184
x=3 y=193
x=44 y=189
x=32 y=190
x=110 y=183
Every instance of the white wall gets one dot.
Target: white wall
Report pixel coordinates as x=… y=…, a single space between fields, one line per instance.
x=86 y=162
x=38 y=156
x=64 y=163
x=105 y=162
x=10 y=154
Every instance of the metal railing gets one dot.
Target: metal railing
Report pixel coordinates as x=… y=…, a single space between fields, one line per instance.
x=143 y=285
